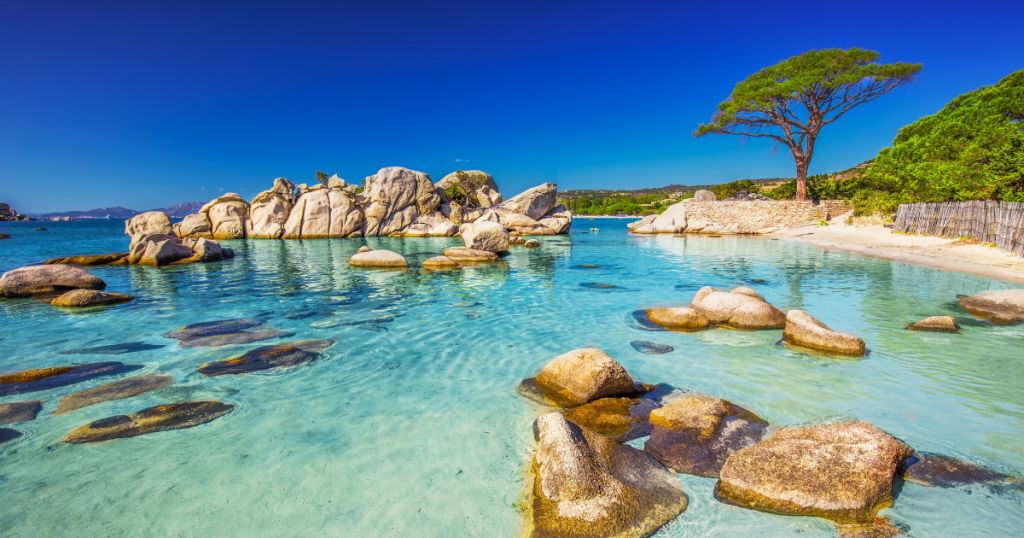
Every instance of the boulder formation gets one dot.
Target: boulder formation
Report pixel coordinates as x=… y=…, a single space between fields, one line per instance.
x=464 y=195
x=742 y=308
x=270 y=209
x=619 y=419
x=840 y=471
x=47 y=279
x=394 y=197
x=228 y=216
x=999 y=307
x=7 y=213
x=578 y=377
x=155 y=242
x=586 y=485
x=672 y=220
x=805 y=331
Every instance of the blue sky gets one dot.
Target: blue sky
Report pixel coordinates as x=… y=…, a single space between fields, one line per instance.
x=147 y=104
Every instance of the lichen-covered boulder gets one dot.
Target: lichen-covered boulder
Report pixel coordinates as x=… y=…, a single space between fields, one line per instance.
x=679 y=318
x=394 y=197
x=48 y=378
x=270 y=209
x=559 y=219
x=933 y=470
x=737 y=309
x=197 y=225
x=440 y=262
x=484 y=235
x=578 y=377
x=283 y=355
x=470 y=189
x=160 y=418
x=696 y=434
x=117 y=390
x=46 y=279
x=999 y=307
x=805 y=331
x=228 y=215
x=148 y=223
x=533 y=203
x=324 y=213
x=586 y=485
x=840 y=471
x=13 y=412
x=83 y=298
x=379 y=259
x=619 y=419
x=470 y=255
x=940 y=324
x=703 y=195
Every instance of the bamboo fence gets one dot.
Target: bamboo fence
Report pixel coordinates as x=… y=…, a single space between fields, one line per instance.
x=1001 y=223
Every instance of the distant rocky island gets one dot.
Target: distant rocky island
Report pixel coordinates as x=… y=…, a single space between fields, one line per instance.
x=174 y=211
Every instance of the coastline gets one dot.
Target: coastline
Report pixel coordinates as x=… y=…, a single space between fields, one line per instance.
x=936 y=252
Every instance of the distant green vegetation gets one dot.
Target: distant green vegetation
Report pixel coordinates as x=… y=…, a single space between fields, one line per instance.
x=614 y=203
x=726 y=190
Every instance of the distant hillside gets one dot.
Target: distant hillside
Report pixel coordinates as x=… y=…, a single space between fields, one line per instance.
x=178 y=210
x=672 y=191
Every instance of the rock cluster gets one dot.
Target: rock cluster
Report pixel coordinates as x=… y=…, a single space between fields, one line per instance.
x=153 y=240
x=9 y=214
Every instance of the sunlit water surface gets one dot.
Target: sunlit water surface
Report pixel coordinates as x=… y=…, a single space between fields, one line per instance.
x=410 y=425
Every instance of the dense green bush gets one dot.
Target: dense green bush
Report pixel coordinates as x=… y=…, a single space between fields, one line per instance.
x=728 y=189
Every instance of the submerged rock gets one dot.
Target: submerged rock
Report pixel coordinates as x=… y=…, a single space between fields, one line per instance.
x=578 y=377
x=231 y=339
x=19 y=411
x=162 y=417
x=468 y=255
x=113 y=349
x=941 y=324
x=7 y=434
x=48 y=378
x=805 y=331
x=82 y=298
x=45 y=279
x=696 y=434
x=945 y=472
x=531 y=243
x=211 y=328
x=125 y=388
x=440 y=262
x=619 y=419
x=379 y=258
x=651 y=348
x=263 y=358
x=840 y=471
x=740 y=309
x=679 y=318
x=999 y=307
x=586 y=485
x=98 y=259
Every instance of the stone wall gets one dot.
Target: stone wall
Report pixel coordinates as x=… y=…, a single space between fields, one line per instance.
x=753 y=217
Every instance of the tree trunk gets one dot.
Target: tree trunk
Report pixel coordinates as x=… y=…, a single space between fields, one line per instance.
x=801 y=180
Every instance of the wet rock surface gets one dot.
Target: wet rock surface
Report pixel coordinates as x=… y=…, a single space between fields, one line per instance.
x=619 y=419
x=841 y=471
x=282 y=355
x=696 y=434
x=586 y=485
x=223 y=333
x=578 y=377
x=48 y=378
x=999 y=307
x=7 y=434
x=98 y=259
x=939 y=324
x=805 y=331
x=678 y=319
x=651 y=348
x=85 y=298
x=46 y=279
x=378 y=258
x=440 y=262
x=19 y=411
x=933 y=470
x=117 y=390
x=468 y=255
x=113 y=349
x=741 y=308
x=160 y=418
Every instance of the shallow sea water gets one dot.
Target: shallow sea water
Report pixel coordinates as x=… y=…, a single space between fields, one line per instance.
x=410 y=425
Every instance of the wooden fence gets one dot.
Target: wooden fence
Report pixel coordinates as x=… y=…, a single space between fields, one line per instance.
x=988 y=221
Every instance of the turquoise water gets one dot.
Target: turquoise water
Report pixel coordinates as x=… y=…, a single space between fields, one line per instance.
x=410 y=424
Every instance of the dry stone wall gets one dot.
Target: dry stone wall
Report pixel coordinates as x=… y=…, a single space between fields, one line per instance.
x=742 y=217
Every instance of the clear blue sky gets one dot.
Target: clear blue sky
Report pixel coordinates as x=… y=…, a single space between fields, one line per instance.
x=147 y=104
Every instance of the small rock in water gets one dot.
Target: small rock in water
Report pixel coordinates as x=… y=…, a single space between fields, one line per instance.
x=381 y=259
x=619 y=419
x=263 y=358
x=363 y=249
x=532 y=243
x=212 y=328
x=944 y=472
x=598 y=286
x=98 y=259
x=999 y=307
x=48 y=378
x=742 y=308
x=440 y=262
x=805 y=331
x=113 y=349
x=374 y=328
x=47 y=279
x=651 y=348
x=7 y=434
x=941 y=324
x=125 y=388
x=244 y=337
x=679 y=318
x=19 y=411
x=644 y=322
x=469 y=255
x=162 y=417
x=588 y=266
x=83 y=298
x=578 y=377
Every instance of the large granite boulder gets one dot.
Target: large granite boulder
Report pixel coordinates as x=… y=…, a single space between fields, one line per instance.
x=740 y=309
x=938 y=324
x=586 y=485
x=324 y=213
x=534 y=203
x=619 y=419
x=672 y=220
x=269 y=210
x=283 y=355
x=678 y=318
x=13 y=412
x=703 y=195
x=558 y=219
x=48 y=378
x=160 y=418
x=378 y=258
x=641 y=223
x=164 y=252
x=83 y=298
x=841 y=471
x=117 y=390
x=197 y=225
x=151 y=222
x=520 y=224
x=696 y=434
x=228 y=216
x=484 y=235
x=470 y=189
x=578 y=377
x=394 y=197
x=805 y=331
x=999 y=307
x=46 y=279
